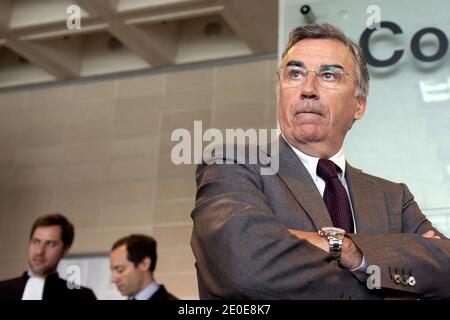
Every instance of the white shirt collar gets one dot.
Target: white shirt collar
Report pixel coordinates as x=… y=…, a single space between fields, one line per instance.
x=148 y=291
x=310 y=162
x=34 y=287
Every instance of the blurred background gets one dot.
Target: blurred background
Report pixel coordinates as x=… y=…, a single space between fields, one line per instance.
x=86 y=113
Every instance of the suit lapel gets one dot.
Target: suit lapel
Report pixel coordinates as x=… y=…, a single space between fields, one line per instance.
x=366 y=200
x=299 y=182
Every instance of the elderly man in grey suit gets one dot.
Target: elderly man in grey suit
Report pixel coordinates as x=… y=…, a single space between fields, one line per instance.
x=317 y=228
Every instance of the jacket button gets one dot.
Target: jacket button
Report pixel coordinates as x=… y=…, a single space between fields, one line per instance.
x=397 y=279
x=405 y=280
x=412 y=281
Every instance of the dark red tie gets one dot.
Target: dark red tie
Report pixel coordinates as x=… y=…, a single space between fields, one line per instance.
x=335 y=196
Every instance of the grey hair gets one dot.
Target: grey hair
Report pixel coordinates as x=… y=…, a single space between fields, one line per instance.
x=328 y=31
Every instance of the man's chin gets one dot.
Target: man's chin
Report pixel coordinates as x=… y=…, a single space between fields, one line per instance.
x=42 y=271
x=307 y=135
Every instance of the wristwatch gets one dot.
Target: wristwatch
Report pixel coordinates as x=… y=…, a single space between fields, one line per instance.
x=335 y=237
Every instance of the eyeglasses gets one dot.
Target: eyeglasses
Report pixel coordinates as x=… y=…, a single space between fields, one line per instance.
x=330 y=78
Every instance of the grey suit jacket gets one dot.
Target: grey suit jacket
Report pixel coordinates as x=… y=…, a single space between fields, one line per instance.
x=243 y=248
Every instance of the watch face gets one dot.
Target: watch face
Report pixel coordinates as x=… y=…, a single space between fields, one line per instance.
x=333 y=231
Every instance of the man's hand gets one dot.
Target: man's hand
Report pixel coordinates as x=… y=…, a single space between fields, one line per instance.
x=351 y=256
x=430 y=234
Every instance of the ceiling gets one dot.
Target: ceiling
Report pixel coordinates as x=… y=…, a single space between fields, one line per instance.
x=40 y=41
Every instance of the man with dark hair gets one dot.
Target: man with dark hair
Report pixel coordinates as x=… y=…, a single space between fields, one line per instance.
x=50 y=239
x=133 y=261
x=317 y=227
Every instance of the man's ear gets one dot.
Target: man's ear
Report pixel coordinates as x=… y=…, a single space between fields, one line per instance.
x=360 y=107
x=144 y=265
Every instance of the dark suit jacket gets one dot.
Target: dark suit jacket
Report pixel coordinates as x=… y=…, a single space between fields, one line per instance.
x=55 y=288
x=243 y=248
x=162 y=294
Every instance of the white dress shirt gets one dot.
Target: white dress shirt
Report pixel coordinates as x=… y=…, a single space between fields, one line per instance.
x=147 y=292
x=310 y=164
x=34 y=288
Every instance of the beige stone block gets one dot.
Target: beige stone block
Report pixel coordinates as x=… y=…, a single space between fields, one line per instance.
x=133 y=168
x=175 y=188
x=127 y=214
x=83 y=214
x=135 y=147
x=166 y=144
x=42 y=136
x=85 y=111
x=198 y=79
x=185 y=119
x=37 y=176
x=167 y=169
x=235 y=115
x=25 y=203
x=18 y=216
x=272 y=67
x=57 y=96
x=86 y=172
x=9 y=138
x=173 y=211
x=92 y=130
x=183 y=286
x=43 y=117
x=86 y=152
x=195 y=99
x=9 y=121
x=7 y=158
x=12 y=102
x=142 y=85
x=39 y=156
x=15 y=244
x=88 y=240
x=82 y=203
x=241 y=74
x=81 y=192
x=130 y=191
x=137 y=116
x=271 y=90
x=12 y=267
x=94 y=90
x=175 y=260
x=6 y=176
x=239 y=94
x=271 y=112
x=172 y=236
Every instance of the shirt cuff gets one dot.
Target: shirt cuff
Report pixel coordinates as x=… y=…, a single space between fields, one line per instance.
x=362 y=267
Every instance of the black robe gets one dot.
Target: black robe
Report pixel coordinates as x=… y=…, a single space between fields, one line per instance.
x=55 y=288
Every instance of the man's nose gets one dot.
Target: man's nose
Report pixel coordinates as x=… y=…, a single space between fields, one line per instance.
x=309 y=89
x=40 y=249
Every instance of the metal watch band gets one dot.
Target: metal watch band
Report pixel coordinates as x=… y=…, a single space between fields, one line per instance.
x=335 y=247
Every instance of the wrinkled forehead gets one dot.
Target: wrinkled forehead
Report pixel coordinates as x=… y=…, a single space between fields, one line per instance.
x=314 y=53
